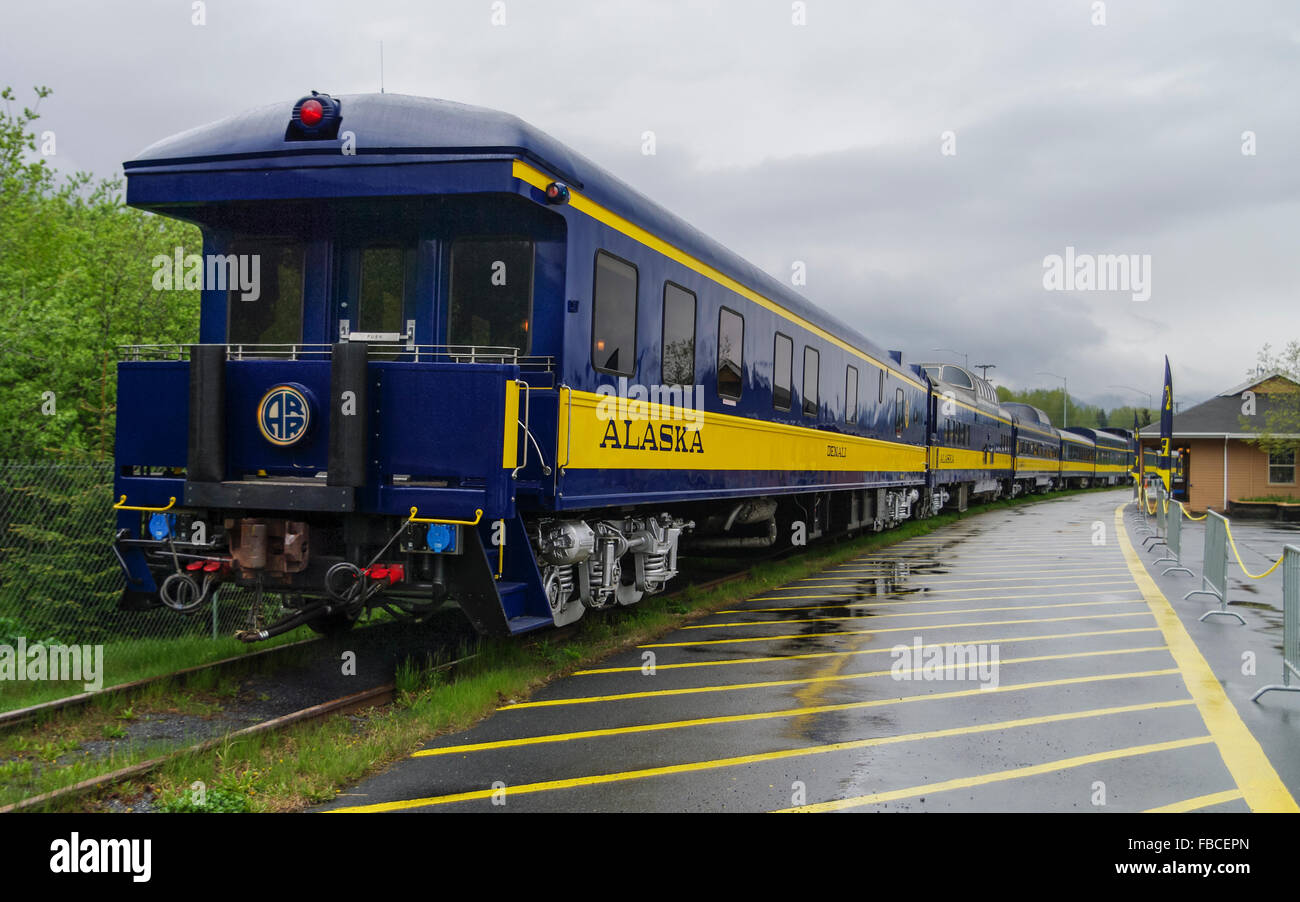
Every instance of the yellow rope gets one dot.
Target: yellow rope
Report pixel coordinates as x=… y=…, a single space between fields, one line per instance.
x=1233 y=543
x=1187 y=513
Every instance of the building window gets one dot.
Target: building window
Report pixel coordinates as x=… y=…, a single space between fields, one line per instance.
x=811 y=364
x=1281 y=467
x=613 y=316
x=679 y=336
x=782 y=372
x=731 y=353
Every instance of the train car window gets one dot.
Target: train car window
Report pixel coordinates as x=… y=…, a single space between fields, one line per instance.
x=811 y=365
x=851 y=395
x=491 y=293
x=782 y=372
x=932 y=372
x=731 y=353
x=275 y=317
x=381 y=291
x=881 y=399
x=956 y=376
x=613 y=316
x=679 y=336
x=900 y=412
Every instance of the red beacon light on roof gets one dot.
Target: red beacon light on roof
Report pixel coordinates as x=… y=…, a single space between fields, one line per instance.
x=314 y=117
x=557 y=193
x=310 y=113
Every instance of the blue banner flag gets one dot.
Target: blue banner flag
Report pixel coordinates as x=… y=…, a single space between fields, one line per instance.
x=1164 y=463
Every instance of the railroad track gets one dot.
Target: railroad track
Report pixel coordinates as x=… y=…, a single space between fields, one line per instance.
x=367 y=698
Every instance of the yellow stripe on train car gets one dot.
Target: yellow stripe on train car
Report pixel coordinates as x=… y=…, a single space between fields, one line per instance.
x=646 y=437
x=966 y=459
x=510 y=442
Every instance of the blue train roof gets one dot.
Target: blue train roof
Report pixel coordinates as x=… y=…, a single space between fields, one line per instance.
x=424 y=129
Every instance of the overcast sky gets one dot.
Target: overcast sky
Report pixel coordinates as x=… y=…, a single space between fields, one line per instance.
x=821 y=142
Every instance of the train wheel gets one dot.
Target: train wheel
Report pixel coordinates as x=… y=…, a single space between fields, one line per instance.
x=627 y=592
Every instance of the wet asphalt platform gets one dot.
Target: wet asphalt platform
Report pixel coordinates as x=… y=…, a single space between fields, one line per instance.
x=1029 y=659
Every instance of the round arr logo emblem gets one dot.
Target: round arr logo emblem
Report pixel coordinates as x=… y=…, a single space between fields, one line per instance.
x=284 y=415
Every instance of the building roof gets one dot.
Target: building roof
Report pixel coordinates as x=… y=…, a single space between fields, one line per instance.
x=1220 y=416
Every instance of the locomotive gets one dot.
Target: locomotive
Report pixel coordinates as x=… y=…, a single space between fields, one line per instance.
x=444 y=357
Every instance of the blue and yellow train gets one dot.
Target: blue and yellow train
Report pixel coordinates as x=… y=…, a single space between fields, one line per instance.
x=443 y=357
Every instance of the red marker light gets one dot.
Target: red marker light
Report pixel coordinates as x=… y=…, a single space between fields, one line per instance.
x=311 y=113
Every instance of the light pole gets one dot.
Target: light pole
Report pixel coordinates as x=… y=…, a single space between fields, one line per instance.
x=1150 y=397
x=984 y=369
x=1065 y=408
x=1139 y=391
x=965 y=357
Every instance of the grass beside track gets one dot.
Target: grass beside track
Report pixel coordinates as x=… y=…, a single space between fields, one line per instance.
x=311 y=763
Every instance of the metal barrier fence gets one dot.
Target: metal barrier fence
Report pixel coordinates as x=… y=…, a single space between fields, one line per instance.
x=1174 y=540
x=1162 y=503
x=1214 y=567
x=1290 y=622
x=60 y=582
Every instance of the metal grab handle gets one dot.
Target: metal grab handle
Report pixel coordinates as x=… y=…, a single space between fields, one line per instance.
x=568 y=428
x=123 y=506
x=527 y=407
x=478 y=515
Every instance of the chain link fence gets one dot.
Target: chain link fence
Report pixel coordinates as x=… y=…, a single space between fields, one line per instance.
x=60 y=581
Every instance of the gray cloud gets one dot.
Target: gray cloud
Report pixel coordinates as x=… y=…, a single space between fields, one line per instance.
x=819 y=143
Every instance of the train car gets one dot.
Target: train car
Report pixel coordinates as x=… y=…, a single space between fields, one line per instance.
x=1078 y=458
x=442 y=356
x=1112 y=455
x=1129 y=454
x=971 y=436
x=1037 y=465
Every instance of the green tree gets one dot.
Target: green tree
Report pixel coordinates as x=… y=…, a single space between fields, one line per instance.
x=1279 y=426
x=75 y=284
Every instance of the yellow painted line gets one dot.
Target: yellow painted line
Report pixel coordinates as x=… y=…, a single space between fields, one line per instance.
x=1031 y=594
x=788 y=712
x=804 y=681
x=767 y=659
x=760 y=757
x=891 y=604
x=1017 y=773
x=924 y=586
x=874 y=617
x=888 y=629
x=1253 y=773
x=925 y=580
x=1205 y=801
x=989 y=556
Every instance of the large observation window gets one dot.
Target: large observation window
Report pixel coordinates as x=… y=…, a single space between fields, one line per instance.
x=263 y=279
x=491 y=293
x=381 y=291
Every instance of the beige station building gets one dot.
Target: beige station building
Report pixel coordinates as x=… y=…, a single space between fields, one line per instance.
x=1219 y=463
